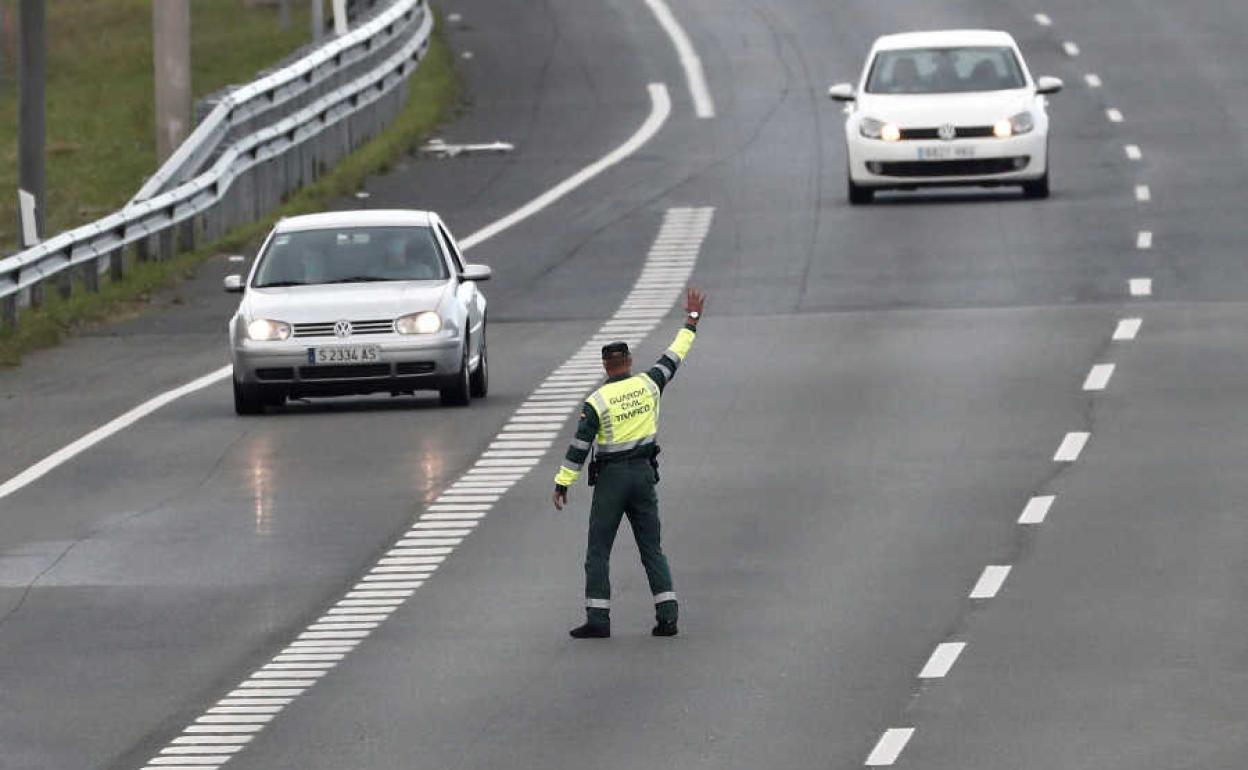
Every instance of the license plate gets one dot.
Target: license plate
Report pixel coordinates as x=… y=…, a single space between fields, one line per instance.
x=948 y=152
x=345 y=354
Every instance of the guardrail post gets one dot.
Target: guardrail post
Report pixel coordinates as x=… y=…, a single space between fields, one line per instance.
x=91 y=274
x=36 y=296
x=143 y=249
x=186 y=237
x=117 y=265
x=64 y=283
x=164 y=245
x=8 y=309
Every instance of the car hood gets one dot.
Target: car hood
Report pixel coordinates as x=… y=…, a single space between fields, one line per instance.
x=932 y=110
x=346 y=301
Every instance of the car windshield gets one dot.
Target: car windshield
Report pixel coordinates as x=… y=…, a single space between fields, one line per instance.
x=350 y=255
x=945 y=70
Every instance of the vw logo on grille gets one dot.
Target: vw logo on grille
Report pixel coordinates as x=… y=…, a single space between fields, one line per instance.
x=947 y=131
x=342 y=329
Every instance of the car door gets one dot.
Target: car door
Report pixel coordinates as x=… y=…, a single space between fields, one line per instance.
x=467 y=292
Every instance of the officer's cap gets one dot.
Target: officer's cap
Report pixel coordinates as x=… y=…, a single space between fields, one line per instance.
x=612 y=349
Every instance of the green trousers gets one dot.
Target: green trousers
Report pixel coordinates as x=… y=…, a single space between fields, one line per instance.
x=626 y=488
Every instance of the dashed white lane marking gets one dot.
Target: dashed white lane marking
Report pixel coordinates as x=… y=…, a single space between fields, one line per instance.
x=1114 y=115
x=1071 y=447
x=417 y=555
x=1140 y=287
x=1127 y=328
x=1144 y=240
x=942 y=659
x=703 y=106
x=1093 y=80
x=890 y=746
x=1142 y=193
x=1098 y=377
x=1037 y=509
x=990 y=581
x=1070 y=48
x=1043 y=20
x=1133 y=151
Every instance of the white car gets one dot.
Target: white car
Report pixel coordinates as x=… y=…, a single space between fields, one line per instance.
x=950 y=107
x=358 y=302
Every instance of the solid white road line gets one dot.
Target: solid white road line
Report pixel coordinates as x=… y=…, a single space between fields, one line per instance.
x=1140 y=287
x=62 y=456
x=990 y=581
x=703 y=106
x=1114 y=115
x=1144 y=240
x=942 y=659
x=1070 y=48
x=1093 y=80
x=1037 y=509
x=660 y=109
x=1071 y=447
x=1133 y=151
x=1098 y=377
x=890 y=746
x=1127 y=328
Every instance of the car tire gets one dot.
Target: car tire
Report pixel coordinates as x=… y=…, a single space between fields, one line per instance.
x=858 y=195
x=459 y=391
x=1037 y=189
x=248 y=400
x=479 y=382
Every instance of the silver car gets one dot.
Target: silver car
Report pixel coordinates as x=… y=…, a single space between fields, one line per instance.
x=358 y=302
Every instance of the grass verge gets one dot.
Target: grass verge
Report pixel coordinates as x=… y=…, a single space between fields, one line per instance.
x=433 y=92
x=101 y=136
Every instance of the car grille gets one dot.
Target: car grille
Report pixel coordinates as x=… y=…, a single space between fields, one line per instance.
x=408 y=368
x=326 y=328
x=344 y=372
x=938 y=168
x=275 y=373
x=961 y=132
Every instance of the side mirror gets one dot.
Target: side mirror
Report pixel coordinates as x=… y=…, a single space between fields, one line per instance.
x=476 y=273
x=233 y=284
x=1048 y=85
x=842 y=92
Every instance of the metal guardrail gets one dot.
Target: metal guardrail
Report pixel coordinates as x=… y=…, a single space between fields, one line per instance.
x=260 y=143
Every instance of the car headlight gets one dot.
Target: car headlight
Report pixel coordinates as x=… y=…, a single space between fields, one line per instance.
x=264 y=330
x=1021 y=123
x=427 y=322
x=878 y=129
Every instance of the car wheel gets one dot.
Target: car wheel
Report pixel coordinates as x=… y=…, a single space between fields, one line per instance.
x=1038 y=188
x=858 y=195
x=480 y=380
x=459 y=392
x=248 y=399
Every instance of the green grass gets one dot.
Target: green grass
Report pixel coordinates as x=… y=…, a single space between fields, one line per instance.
x=100 y=90
x=434 y=91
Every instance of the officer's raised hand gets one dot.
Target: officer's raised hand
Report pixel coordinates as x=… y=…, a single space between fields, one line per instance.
x=560 y=498
x=695 y=301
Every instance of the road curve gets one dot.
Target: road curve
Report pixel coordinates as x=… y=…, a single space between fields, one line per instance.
x=877 y=397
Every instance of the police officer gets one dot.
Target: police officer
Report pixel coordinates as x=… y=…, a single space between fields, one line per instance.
x=623 y=417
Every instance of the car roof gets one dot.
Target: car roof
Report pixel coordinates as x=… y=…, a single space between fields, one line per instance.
x=358 y=218
x=941 y=38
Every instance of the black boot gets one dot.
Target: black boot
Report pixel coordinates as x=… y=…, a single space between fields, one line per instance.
x=664 y=628
x=591 y=630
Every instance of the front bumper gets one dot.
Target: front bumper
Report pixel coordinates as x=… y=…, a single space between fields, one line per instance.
x=878 y=164
x=405 y=364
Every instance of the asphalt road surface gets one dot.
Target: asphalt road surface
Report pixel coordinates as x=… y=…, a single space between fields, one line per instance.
x=876 y=397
